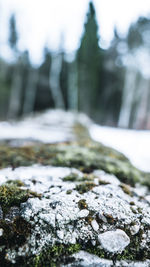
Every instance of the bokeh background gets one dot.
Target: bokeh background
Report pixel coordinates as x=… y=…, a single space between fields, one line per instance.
x=86 y=56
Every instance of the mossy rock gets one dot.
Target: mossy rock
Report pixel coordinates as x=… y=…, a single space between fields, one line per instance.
x=81 y=203
x=85 y=157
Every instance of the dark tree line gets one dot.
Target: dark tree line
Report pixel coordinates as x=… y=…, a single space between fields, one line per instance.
x=92 y=83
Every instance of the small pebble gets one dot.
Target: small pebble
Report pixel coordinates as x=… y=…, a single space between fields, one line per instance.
x=95 y=225
x=114 y=241
x=134 y=229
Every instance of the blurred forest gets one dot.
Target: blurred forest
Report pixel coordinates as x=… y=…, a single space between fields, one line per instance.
x=112 y=85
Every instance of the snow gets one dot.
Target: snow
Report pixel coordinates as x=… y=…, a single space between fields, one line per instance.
x=134 y=144
x=48 y=127
x=56 y=126
x=50 y=176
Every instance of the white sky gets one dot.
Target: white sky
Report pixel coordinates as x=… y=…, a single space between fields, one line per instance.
x=41 y=22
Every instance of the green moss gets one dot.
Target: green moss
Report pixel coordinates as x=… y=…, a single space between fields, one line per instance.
x=74 y=177
x=82 y=204
x=68 y=192
x=85 y=187
x=102 y=182
x=97 y=251
x=15 y=183
x=13 y=195
x=132 y=203
x=71 y=178
x=55 y=255
x=126 y=189
x=86 y=177
x=87 y=156
x=15 y=234
x=63 y=254
x=133 y=210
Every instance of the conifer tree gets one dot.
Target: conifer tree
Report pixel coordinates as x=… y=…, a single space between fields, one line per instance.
x=13 y=35
x=88 y=62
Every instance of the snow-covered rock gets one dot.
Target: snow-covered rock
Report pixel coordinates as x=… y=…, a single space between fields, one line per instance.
x=76 y=203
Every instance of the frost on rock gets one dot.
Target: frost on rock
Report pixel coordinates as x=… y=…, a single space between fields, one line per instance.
x=114 y=241
x=104 y=220
x=72 y=204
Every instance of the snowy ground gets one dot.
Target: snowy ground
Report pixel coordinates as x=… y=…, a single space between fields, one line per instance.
x=134 y=144
x=55 y=126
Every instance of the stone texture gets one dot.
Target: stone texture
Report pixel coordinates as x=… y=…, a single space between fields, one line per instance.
x=83 y=206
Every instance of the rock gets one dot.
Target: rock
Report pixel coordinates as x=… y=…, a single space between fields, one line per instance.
x=73 y=203
x=114 y=241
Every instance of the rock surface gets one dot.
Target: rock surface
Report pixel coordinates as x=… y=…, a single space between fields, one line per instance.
x=72 y=203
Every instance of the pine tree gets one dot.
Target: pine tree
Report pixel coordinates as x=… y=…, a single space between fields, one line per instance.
x=64 y=80
x=13 y=35
x=88 y=62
